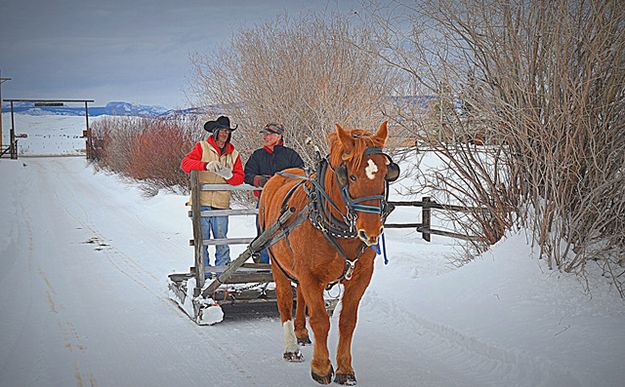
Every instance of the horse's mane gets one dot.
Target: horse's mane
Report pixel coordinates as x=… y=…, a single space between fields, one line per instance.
x=362 y=140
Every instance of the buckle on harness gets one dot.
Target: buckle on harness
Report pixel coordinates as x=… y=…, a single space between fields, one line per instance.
x=350 y=268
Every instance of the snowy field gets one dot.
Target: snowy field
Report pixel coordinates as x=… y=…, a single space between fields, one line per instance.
x=83 y=295
x=47 y=135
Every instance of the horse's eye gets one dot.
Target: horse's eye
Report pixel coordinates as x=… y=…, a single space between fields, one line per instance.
x=352 y=178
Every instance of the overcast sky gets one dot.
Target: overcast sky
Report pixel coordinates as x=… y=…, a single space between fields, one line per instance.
x=123 y=50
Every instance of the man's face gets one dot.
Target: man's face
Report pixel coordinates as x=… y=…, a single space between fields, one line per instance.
x=270 y=139
x=222 y=136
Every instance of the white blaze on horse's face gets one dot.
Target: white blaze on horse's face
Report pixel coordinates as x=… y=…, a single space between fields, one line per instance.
x=371 y=169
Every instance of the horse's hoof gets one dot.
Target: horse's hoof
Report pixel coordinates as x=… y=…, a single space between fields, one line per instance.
x=345 y=379
x=327 y=379
x=293 y=357
x=304 y=340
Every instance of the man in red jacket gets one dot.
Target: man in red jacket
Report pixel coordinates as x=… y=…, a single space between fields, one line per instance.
x=218 y=163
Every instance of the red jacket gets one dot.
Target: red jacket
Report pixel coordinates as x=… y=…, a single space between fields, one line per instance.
x=192 y=161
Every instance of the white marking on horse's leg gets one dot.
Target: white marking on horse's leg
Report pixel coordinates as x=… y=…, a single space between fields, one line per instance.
x=290 y=341
x=371 y=169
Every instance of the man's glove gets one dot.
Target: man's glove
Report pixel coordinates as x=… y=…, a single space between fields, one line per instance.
x=218 y=169
x=260 y=180
x=212 y=166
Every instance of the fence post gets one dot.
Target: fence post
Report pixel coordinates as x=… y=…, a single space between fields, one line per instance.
x=426 y=216
x=198 y=243
x=88 y=144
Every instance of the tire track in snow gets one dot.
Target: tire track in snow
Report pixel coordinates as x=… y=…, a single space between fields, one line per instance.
x=219 y=346
x=27 y=223
x=485 y=363
x=72 y=340
x=119 y=260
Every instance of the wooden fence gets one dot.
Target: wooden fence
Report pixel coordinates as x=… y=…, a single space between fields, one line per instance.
x=425 y=227
x=9 y=150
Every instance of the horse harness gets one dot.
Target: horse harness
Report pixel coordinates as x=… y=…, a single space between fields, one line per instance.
x=317 y=211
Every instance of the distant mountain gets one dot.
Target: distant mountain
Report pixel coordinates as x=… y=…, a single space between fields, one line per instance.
x=111 y=108
x=120 y=108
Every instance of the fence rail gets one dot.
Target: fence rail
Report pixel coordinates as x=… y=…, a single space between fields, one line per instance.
x=10 y=150
x=425 y=227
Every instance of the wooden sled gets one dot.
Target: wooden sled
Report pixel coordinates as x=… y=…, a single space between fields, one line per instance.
x=240 y=282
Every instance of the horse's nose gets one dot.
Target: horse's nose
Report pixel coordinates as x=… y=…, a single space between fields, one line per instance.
x=369 y=240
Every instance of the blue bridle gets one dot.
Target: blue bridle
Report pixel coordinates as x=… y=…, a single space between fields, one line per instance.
x=354 y=205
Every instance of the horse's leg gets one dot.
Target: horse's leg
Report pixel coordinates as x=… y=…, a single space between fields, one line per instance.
x=320 y=366
x=300 y=319
x=284 y=293
x=354 y=290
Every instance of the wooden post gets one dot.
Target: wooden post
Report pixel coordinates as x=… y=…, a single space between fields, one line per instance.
x=197 y=233
x=426 y=216
x=12 y=142
x=88 y=131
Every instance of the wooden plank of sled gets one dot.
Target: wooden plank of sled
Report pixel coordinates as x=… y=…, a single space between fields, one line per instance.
x=228 y=187
x=243 y=268
x=179 y=277
x=249 y=277
x=246 y=266
x=227 y=241
x=241 y=211
x=197 y=233
x=246 y=296
x=253 y=265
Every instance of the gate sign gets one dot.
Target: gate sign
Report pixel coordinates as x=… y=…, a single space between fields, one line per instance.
x=21 y=135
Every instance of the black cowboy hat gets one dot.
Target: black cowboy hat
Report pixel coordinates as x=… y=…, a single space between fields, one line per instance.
x=222 y=122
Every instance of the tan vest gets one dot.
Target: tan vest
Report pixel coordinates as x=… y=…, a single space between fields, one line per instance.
x=217 y=199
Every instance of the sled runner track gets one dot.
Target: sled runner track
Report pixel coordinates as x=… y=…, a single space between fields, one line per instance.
x=486 y=364
x=16 y=238
x=72 y=341
x=123 y=263
x=131 y=264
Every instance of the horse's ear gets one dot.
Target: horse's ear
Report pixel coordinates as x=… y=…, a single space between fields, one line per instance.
x=345 y=138
x=382 y=132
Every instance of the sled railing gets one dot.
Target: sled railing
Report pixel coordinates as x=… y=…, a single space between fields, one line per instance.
x=198 y=242
x=235 y=283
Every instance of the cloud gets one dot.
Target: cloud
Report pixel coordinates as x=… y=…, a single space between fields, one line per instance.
x=135 y=50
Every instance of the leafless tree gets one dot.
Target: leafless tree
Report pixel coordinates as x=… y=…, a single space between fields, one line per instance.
x=542 y=84
x=305 y=73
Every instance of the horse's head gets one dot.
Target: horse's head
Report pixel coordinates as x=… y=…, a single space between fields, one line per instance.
x=362 y=172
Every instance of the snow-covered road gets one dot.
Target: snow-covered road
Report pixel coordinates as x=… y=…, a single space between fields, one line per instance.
x=83 y=301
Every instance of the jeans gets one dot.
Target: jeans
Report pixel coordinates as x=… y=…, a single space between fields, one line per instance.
x=264 y=254
x=218 y=226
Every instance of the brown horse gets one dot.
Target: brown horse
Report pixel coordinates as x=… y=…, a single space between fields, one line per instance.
x=344 y=205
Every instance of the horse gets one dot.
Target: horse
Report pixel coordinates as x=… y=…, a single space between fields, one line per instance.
x=341 y=208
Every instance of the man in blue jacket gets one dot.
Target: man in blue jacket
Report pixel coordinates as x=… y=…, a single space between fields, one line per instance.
x=266 y=161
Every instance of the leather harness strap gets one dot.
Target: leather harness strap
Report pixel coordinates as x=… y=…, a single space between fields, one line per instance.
x=318 y=213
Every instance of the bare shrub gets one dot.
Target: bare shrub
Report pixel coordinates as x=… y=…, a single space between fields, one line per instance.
x=305 y=73
x=544 y=83
x=146 y=149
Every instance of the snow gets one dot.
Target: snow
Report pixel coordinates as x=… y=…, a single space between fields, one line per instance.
x=84 y=300
x=47 y=135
